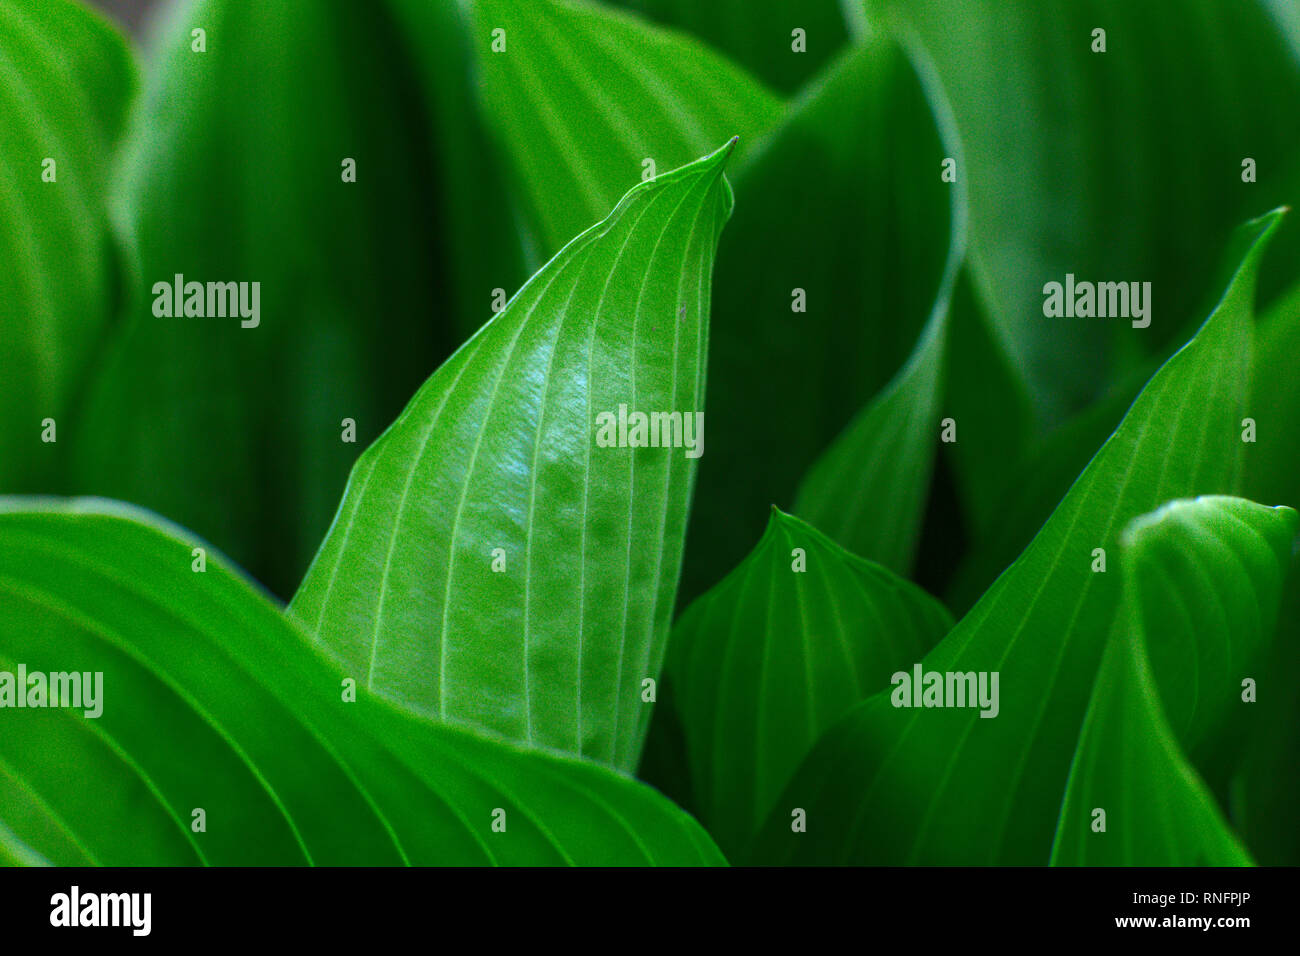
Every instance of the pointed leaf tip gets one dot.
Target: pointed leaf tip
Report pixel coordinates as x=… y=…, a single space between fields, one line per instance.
x=532 y=649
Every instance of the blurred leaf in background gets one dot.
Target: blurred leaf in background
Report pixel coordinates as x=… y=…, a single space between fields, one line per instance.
x=69 y=80
x=235 y=171
x=1125 y=164
x=844 y=230
x=585 y=102
x=782 y=42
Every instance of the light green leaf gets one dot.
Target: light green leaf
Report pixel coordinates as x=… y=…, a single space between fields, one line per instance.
x=13 y=852
x=777 y=652
x=1079 y=162
x=259 y=733
x=234 y=172
x=760 y=38
x=1201 y=584
x=892 y=784
x=1287 y=15
x=580 y=96
x=68 y=81
x=491 y=562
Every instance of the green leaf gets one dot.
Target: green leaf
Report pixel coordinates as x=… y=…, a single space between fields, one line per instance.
x=1031 y=487
x=777 y=652
x=13 y=852
x=993 y=412
x=1287 y=15
x=868 y=490
x=891 y=784
x=69 y=79
x=1270 y=461
x=1029 y=490
x=234 y=173
x=1266 y=791
x=481 y=238
x=761 y=40
x=1201 y=581
x=259 y=734
x=491 y=561
x=664 y=763
x=1047 y=466
x=1079 y=162
x=581 y=96
x=845 y=208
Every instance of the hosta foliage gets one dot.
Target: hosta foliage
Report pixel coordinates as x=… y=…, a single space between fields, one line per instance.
x=800 y=632
x=906 y=462
x=214 y=700
x=1084 y=162
x=1201 y=582
x=491 y=562
x=69 y=81
x=931 y=785
x=234 y=431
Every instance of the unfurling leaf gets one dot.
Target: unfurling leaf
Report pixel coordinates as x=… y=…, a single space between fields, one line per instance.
x=503 y=449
